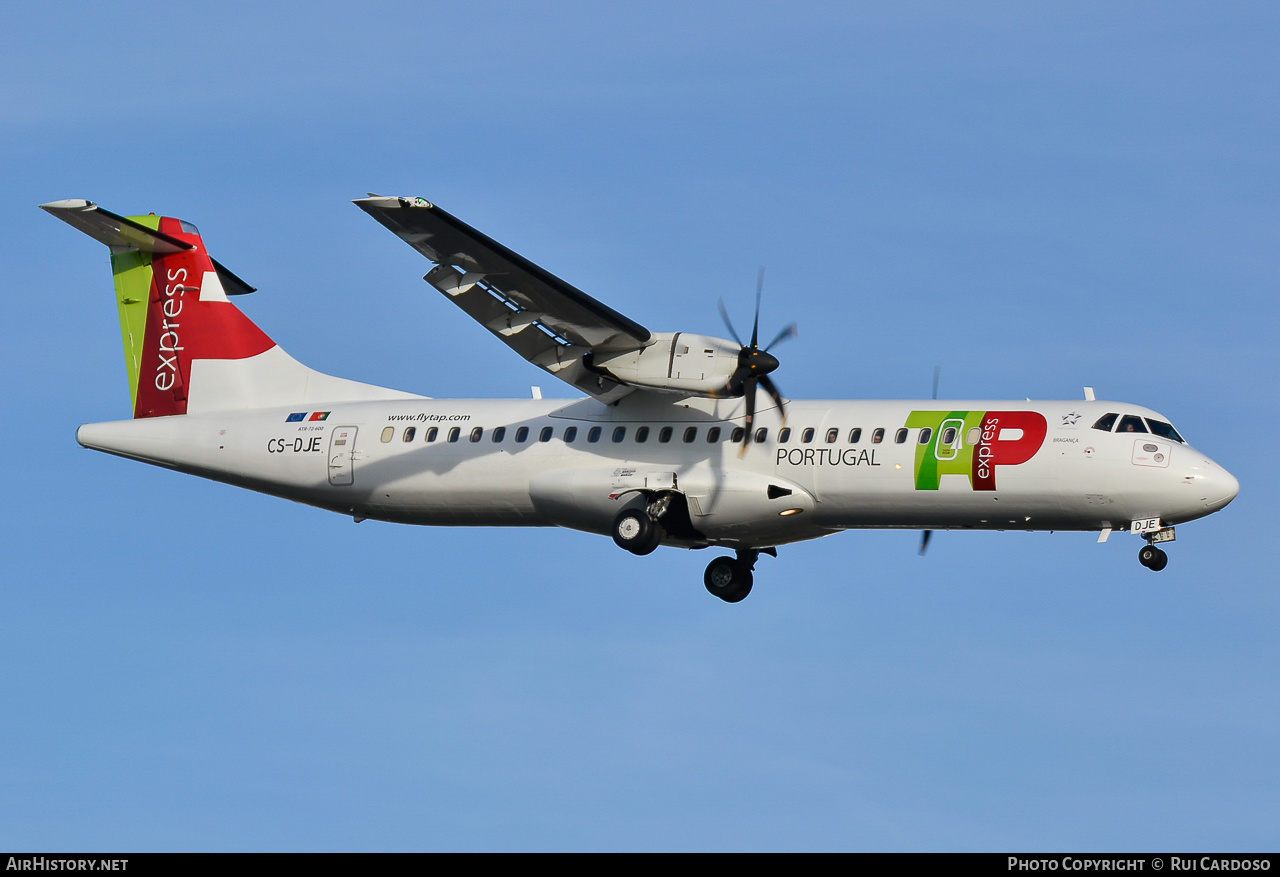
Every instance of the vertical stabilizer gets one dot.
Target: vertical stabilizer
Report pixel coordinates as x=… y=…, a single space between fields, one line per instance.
x=187 y=348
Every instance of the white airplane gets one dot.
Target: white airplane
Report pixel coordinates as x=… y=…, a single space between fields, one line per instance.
x=668 y=448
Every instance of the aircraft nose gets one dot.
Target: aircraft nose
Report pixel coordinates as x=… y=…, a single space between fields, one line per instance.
x=1220 y=487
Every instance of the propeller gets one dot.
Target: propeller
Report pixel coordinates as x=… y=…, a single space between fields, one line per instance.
x=754 y=365
x=928 y=534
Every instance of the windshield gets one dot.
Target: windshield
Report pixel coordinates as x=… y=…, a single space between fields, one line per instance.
x=1165 y=430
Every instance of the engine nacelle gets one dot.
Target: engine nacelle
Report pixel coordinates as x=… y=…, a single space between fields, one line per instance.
x=676 y=362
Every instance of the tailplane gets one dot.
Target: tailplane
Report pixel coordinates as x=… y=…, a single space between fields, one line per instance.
x=188 y=349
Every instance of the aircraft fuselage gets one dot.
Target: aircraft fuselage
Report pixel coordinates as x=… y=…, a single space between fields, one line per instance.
x=997 y=465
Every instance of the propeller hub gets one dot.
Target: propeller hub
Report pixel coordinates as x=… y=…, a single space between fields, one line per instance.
x=754 y=365
x=760 y=362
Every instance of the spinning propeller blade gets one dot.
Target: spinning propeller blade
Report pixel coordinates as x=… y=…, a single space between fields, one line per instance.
x=754 y=365
x=928 y=534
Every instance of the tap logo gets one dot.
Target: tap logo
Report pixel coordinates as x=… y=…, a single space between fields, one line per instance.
x=974 y=444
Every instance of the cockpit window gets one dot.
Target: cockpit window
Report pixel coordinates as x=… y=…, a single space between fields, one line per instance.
x=1165 y=430
x=1106 y=422
x=1131 y=423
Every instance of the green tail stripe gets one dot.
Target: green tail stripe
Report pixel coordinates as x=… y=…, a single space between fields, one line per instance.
x=132 y=271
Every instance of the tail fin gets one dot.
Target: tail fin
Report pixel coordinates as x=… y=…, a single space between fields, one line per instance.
x=187 y=347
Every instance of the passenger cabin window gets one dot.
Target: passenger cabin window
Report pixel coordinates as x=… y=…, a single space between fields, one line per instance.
x=545 y=435
x=1165 y=430
x=388 y=434
x=832 y=435
x=762 y=435
x=900 y=437
x=855 y=436
x=522 y=435
x=807 y=435
x=499 y=433
x=642 y=434
x=619 y=433
x=925 y=435
x=664 y=434
x=477 y=433
x=737 y=434
x=454 y=433
x=409 y=433
x=973 y=435
x=1105 y=423
x=713 y=435
x=878 y=436
x=784 y=435
x=570 y=433
x=948 y=436
x=690 y=434
x=1131 y=423
x=593 y=435
x=432 y=434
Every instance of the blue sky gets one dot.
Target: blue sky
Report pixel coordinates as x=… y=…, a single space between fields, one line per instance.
x=1035 y=197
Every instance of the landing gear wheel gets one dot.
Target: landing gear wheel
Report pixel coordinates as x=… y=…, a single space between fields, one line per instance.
x=636 y=532
x=728 y=579
x=655 y=538
x=1152 y=558
x=1161 y=561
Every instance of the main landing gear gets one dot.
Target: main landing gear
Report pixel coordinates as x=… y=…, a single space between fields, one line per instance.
x=641 y=531
x=635 y=531
x=730 y=578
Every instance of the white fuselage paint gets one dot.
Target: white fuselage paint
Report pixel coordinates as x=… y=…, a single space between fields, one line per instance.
x=1079 y=479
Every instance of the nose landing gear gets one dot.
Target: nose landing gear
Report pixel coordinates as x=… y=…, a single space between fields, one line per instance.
x=1149 y=555
x=1153 y=558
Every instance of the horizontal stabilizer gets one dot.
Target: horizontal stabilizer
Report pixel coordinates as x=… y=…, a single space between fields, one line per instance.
x=121 y=232
x=112 y=230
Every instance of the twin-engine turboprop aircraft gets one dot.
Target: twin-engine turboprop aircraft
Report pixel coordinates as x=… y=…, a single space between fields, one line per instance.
x=673 y=445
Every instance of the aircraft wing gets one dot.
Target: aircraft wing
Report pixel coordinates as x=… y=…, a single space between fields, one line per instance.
x=539 y=316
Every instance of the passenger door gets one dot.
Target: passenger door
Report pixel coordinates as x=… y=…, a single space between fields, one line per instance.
x=342 y=449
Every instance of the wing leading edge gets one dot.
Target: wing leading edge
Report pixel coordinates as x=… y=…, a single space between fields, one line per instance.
x=547 y=321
